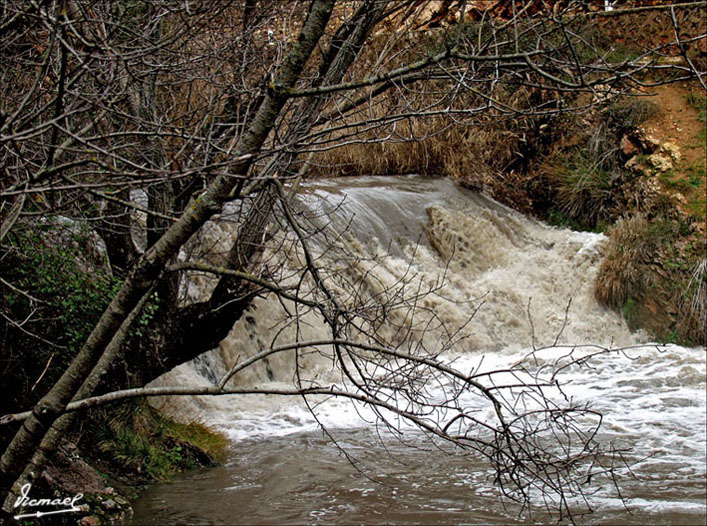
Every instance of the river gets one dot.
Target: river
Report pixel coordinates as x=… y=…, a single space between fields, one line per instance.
x=507 y=282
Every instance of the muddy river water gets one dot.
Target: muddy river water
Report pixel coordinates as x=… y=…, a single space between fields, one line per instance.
x=283 y=469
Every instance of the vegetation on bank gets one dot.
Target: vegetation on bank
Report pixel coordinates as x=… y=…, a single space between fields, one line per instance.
x=587 y=169
x=59 y=279
x=143 y=442
x=62 y=284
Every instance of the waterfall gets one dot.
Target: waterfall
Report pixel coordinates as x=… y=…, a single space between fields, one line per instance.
x=506 y=283
x=495 y=264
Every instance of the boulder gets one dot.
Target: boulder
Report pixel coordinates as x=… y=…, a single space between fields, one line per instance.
x=628 y=147
x=661 y=162
x=671 y=149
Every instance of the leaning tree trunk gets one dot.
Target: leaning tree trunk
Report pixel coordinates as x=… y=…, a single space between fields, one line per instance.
x=192 y=330
x=150 y=267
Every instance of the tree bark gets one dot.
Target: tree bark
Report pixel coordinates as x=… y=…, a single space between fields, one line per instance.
x=150 y=266
x=199 y=328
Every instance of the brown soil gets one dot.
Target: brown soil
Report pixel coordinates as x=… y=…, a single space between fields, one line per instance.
x=678 y=121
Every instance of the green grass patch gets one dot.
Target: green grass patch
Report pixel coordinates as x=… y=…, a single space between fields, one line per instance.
x=629 y=310
x=587 y=195
x=560 y=219
x=697 y=175
x=141 y=440
x=699 y=102
x=698 y=208
x=210 y=441
x=673 y=337
x=672 y=182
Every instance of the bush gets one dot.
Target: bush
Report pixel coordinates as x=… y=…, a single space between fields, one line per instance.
x=54 y=292
x=588 y=195
x=629 y=112
x=142 y=441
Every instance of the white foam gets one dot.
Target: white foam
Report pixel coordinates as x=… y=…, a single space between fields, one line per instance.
x=652 y=397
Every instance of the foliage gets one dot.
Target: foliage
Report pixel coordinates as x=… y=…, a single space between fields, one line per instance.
x=62 y=286
x=59 y=275
x=141 y=440
x=60 y=292
x=650 y=267
x=588 y=194
x=558 y=218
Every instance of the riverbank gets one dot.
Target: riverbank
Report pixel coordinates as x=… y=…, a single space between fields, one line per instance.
x=118 y=453
x=632 y=167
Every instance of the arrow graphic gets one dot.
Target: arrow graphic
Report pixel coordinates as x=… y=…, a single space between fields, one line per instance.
x=43 y=513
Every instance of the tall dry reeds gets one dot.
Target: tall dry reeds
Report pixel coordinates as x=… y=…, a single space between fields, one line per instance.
x=470 y=154
x=648 y=277
x=632 y=246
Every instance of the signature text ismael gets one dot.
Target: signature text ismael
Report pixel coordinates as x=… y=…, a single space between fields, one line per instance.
x=24 y=501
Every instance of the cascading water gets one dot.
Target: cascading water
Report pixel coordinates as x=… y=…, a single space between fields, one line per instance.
x=513 y=277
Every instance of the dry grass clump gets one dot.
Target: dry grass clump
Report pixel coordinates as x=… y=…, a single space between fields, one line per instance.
x=653 y=274
x=467 y=153
x=629 y=112
x=622 y=274
x=693 y=305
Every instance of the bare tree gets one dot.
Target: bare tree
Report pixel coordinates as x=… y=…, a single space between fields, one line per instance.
x=196 y=106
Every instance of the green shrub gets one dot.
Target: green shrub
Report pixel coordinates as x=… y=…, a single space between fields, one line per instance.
x=629 y=310
x=141 y=440
x=57 y=272
x=55 y=296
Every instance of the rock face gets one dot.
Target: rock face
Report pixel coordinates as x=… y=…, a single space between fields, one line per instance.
x=71 y=473
x=647 y=155
x=68 y=475
x=650 y=158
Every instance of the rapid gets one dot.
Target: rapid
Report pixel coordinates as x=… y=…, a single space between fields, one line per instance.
x=507 y=284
